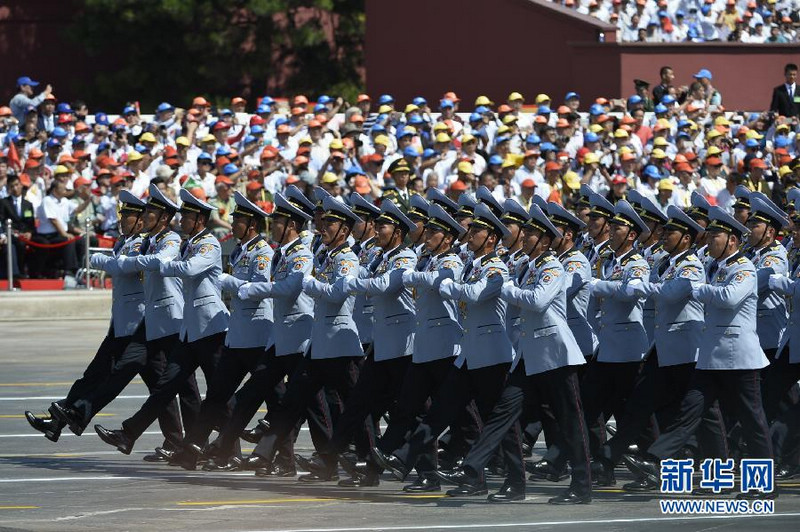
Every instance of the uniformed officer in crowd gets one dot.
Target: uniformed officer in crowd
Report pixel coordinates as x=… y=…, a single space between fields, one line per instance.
x=205 y=319
x=418 y=213
x=122 y=353
x=486 y=352
x=730 y=358
x=250 y=331
x=334 y=347
x=543 y=371
x=382 y=374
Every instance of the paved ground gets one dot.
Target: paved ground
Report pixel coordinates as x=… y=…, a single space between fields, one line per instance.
x=82 y=484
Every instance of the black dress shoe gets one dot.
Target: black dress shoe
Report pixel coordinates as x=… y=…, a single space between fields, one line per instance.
x=508 y=493
x=571 y=497
x=423 y=484
x=68 y=417
x=254 y=462
x=117 y=438
x=155 y=458
x=390 y=463
x=527 y=450
x=252 y=435
x=50 y=427
x=468 y=490
x=350 y=464
x=313 y=478
x=603 y=473
x=185 y=459
x=316 y=464
x=642 y=467
x=217 y=465
x=457 y=477
x=545 y=470
x=784 y=472
x=360 y=481
x=264 y=425
x=641 y=485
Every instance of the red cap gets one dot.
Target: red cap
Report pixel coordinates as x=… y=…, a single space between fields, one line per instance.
x=269 y=152
x=224 y=180
x=237 y=100
x=618 y=180
x=713 y=161
x=283 y=128
x=31 y=163
x=220 y=126
x=528 y=183
x=758 y=163
x=363 y=98
x=452 y=97
x=315 y=123
x=504 y=109
x=458 y=185
x=683 y=167
x=551 y=166
x=300 y=159
x=81 y=181
x=256 y=120
x=254 y=185
x=35 y=153
x=67 y=158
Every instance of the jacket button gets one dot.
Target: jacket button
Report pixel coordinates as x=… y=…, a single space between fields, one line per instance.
x=438 y=323
x=656 y=326
x=417 y=323
x=466 y=330
x=523 y=334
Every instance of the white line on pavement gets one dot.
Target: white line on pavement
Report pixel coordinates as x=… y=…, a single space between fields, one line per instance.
x=47 y=398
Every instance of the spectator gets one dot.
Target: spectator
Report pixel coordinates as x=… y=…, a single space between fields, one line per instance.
x=785 y=98
x=54 y=227
x=23 y=100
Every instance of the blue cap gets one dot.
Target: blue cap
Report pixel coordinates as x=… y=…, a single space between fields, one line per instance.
x=103 y=146
x=704 y=73
x=319 y=108
x=780 y=141
x=475 y=117
x=548 y=146
x=280 y=121
x=267 y=100
x=256 y=130
x=205 y=157
x=245 y=207
x=681 y=221
x=533 y=138
x=230 y=169
x=436 y=196
x=495 y=159
x=296 y=197
x=223 y=151
x=651 y=171
x=391 y=213
x=514 y=212
x=440 y=219
x=501 y=139
x=662 y=13
x=660 y=108
x=59 y=132
x=158 y=200
x=192 y=204
x=324 y=99
x=101 y=119
x=385 y=99
x=285 y=207
x=419 y=101
x=416 y=120
x=600 y=206
x=129 y=110
x=446 y=104
x=263 y=109
x=482 y=109
x=428 y=153
x=543 y=110
x=130 y=202
x=466 y=205
x=337 y=210
x=624 y=214
x=377 y=128
x=405 y=133
x=164 y=107
x=485 y=218
x=683 y=123
x=572 y=95
x=667 y=99
x=63 y=108
x=561 y=216
x=225 y=112
x=684 y=135
x=52 y=143
x=25 y=80
x=751 y=143
x=680 y=13
x=410 y=151
x=484 y=195
x=249 y=139
x=537 y=219
x=763 y=209
x=139 y=148
x=362 y=207
x=354 y=170
x=635 y=99
x=590 y=137
x=596 y=109
x=722 y=221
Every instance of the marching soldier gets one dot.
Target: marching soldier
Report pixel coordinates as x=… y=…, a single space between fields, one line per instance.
x=205 y=320
x=486 y=352
x=543 y=371
x=297 y=198
x=514 y=217
x=367 y=249
x=383 y=371
x=250 y=332
x=730 y=358
x=418 y=213
x=583 y=242
x=464 y=215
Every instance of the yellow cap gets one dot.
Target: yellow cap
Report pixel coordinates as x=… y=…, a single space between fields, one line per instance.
x=61 y=169
x=625 y=149
x=336 y=144
x=660 y=141
x=509 y=119
x=467 y=138
x=384 y=109
x=183 y=141
x=714 y=133
x=542 y=98
x=621 y=134
x=410 y=108
x=783 y=170
x=572 y=180
x=595 y=128
x=663 y=122
x=483 y=100
x=658 y=153
x=147 y=137
x=514 y=96
x=209 y=138
x=591 y=158
x=721 y=121
x=305 y=140
x=329 y=177
x=782 y=126
x=502 y=130
x=753 y=134
x=440 y=126
x=383 y=140
x=465 y=167
x=443 y=137
x=134 y=156
x=666 y=184
x=713 y=150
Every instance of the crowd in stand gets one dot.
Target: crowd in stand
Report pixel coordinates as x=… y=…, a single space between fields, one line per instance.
x=62 y=168
x=746 y=21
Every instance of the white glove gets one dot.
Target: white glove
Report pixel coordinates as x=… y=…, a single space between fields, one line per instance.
x=774 y=279
x=308 y=280
x=508 y=284
x=407 y=274
x=222 y=278
x=151 y=263
x=630 y=287
x=98 y=259
x=446 y=282
x=696 y=292
x=244 y=291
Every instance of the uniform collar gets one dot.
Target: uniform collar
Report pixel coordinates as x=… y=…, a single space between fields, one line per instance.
x=285 y=248
x=566 y=253
x=678 y=258
x=341 y=248
x=196 y=238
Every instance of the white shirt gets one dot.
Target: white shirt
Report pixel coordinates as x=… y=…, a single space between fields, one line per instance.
x=53 y=208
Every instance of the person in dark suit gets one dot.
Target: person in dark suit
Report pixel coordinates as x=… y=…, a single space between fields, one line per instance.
x=20 y=212
x=785 y=97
